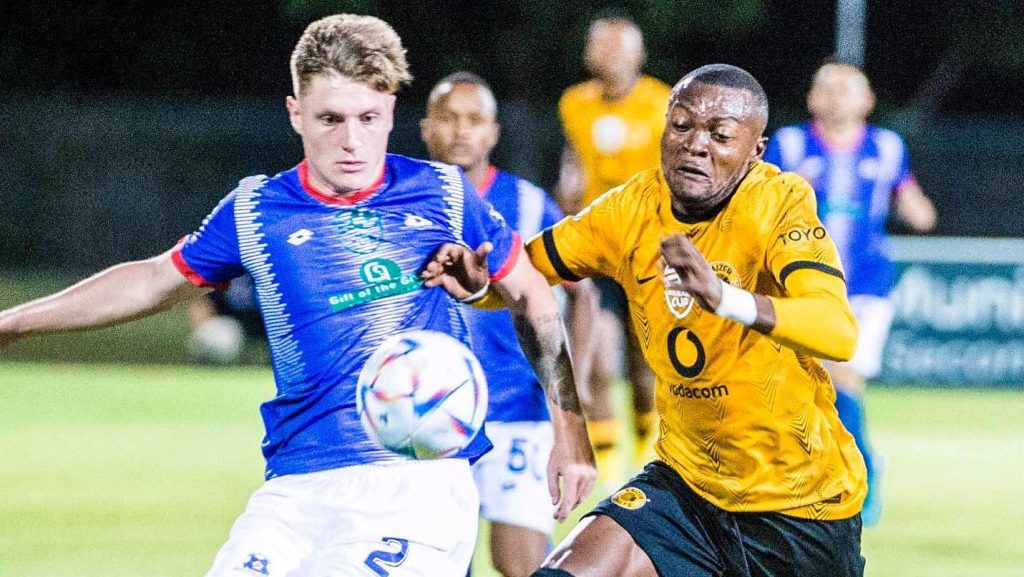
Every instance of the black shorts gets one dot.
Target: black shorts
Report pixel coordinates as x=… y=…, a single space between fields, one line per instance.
x=686 y=536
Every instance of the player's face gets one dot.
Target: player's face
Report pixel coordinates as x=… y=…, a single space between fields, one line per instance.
x=712 y=136
x=840 y=94
x=344 y=127
x=614 y=52
x=461 y=128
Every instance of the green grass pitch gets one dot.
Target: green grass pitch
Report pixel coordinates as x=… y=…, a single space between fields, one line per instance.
x=114 y=471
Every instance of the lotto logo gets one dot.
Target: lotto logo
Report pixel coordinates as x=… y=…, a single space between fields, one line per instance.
x=300 y=236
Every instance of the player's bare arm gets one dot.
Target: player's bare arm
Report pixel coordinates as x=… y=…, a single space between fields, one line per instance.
x=915 y=208
x=813 y=317
x=583 y=308
x=542 y=337
x=693 y=274
x=117 y=295
x=571 y=181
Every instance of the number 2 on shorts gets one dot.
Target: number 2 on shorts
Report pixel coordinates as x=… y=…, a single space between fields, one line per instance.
x=378 y=560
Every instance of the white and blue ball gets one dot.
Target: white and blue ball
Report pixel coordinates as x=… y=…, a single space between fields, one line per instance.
x=422 y=394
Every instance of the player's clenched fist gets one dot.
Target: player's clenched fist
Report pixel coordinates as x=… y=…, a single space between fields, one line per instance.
x=686 y=268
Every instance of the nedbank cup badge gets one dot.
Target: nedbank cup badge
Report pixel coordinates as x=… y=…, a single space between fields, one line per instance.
x=630 y=498
x=679 y=302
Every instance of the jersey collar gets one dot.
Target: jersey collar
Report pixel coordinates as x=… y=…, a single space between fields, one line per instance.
x=347 y=200
x=485 y=187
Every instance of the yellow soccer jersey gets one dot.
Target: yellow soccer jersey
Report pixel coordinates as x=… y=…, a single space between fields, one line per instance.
x=746 y=419
x=614 y=140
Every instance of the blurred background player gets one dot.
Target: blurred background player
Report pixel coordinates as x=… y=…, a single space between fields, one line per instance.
x=461 y=128
x=613 y=125
x=222 y=321
x=859 y=173
x=348 y=218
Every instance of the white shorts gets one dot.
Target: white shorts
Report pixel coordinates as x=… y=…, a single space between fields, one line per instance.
x=874 y=317
x=512 y=477
x=406 y=519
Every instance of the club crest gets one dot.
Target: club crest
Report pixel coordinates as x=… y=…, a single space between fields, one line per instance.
x=630 y=498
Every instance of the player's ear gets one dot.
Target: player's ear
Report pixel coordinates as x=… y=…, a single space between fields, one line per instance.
x=762 y=143
x=425 y=129
x=294 y=113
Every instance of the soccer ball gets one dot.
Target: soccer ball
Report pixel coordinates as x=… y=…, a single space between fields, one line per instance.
x=422 y=394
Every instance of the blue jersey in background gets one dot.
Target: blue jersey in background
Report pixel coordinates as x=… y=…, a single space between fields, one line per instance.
x=514 y=393
x=854 y=189
x=334 y=278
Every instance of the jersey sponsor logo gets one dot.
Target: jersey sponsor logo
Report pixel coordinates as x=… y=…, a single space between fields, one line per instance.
x=361 y=229
x=416 y=221
x=383 y=279
x=712 y=392
x=642 y=280
x=693 y=358
x=257 y=564
x=802 y=234
x=300 y=236
x=630 y=498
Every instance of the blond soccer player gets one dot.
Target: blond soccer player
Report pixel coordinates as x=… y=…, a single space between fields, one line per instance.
x=334 y=247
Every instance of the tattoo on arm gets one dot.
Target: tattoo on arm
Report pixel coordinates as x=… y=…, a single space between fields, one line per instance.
x=543 y=341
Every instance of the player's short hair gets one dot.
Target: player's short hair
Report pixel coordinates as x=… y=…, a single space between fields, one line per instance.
x=615 y=17
x=729 y=76
x=361 y=48
x=446 y=84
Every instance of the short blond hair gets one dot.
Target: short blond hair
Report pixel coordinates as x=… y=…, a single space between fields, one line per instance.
x=361 y=48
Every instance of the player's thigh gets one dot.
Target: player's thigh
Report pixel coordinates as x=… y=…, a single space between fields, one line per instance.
x=600 y=547
x=515 y=550
x=512 y=477
x=654 y=525
x=411 y=519
x=874 y=318
x=275 y=535
x=777 y=545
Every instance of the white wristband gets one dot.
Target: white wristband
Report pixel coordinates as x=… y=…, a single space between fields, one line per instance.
x=737 y=304
x=477 y=295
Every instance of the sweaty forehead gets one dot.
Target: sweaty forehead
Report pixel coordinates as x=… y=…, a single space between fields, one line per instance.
x=712 y=101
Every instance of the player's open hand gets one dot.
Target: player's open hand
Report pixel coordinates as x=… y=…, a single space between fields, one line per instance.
x=459 y=270
x=684 y=267
x=571 y=473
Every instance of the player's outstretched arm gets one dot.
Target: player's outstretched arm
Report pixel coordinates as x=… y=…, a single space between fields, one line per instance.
x=571 y=469
x=915 y=208
x=119 y=294
x=814 y=318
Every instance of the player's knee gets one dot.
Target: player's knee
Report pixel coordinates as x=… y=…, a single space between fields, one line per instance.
x=547 y=572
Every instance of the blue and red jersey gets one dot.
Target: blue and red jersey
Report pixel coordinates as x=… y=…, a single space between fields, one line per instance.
x=334 y=278
x=855 y=187
x=514 y=393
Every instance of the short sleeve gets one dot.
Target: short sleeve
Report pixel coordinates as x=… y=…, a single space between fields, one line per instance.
x=210 y=256
x=800 y=241
x=583 y=245
x=483 y=223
